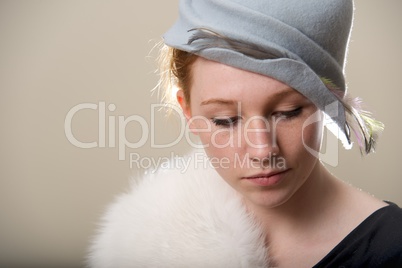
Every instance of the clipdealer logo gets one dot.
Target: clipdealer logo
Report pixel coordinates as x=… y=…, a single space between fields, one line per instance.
x=115 y=126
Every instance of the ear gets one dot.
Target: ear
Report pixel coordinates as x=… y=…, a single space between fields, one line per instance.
x=183 y=104
x=186 y=109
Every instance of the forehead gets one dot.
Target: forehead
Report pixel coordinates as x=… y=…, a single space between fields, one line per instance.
x=215 y=80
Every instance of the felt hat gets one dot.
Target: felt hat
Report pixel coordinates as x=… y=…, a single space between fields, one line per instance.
x=300 y=43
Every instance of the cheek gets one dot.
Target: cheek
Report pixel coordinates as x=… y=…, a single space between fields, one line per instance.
x=299 y=137
x=221 y=148
x=312 y=136
x=200 y=125
x=220 y=142
x=220 y=157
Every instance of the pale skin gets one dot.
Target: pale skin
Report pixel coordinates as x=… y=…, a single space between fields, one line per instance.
x=304 y=210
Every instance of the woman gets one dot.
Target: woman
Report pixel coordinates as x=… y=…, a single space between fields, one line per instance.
x=255 y=79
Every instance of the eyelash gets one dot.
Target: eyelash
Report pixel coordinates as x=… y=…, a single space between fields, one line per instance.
x=226 y=122
x=232 y=121
x=288 y=114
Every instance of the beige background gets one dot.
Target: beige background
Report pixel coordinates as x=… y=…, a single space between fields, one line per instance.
x=57 y=54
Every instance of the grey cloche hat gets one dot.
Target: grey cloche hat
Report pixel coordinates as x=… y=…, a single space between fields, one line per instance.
x=300 y=43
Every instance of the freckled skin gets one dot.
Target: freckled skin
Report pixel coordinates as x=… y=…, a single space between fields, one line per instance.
x=260 y=132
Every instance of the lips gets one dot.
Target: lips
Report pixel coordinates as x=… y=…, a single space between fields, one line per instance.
x=267 y=179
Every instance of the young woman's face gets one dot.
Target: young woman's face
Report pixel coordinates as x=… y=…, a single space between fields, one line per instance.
x=254 y=129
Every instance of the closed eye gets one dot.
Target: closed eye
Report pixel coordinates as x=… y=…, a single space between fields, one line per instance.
x=225 y=121
x=288 y=114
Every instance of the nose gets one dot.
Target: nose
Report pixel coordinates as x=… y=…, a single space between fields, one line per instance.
x=260 y=139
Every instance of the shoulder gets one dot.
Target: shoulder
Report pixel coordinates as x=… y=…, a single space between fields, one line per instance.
x=386 y=234
x=376 y=242
x=175 y=217
x=383 y=232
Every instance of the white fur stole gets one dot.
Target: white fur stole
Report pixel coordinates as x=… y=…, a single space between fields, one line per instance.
x=176 y=219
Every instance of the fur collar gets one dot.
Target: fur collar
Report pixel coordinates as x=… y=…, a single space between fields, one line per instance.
x=172 y=218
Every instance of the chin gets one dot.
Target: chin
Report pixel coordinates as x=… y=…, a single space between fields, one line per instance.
x=266 y=199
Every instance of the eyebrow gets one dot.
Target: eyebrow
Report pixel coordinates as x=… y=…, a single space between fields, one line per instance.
x=222 y=101
x=219 y=101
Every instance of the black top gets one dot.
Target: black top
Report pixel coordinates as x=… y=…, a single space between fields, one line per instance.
x=376 y=242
